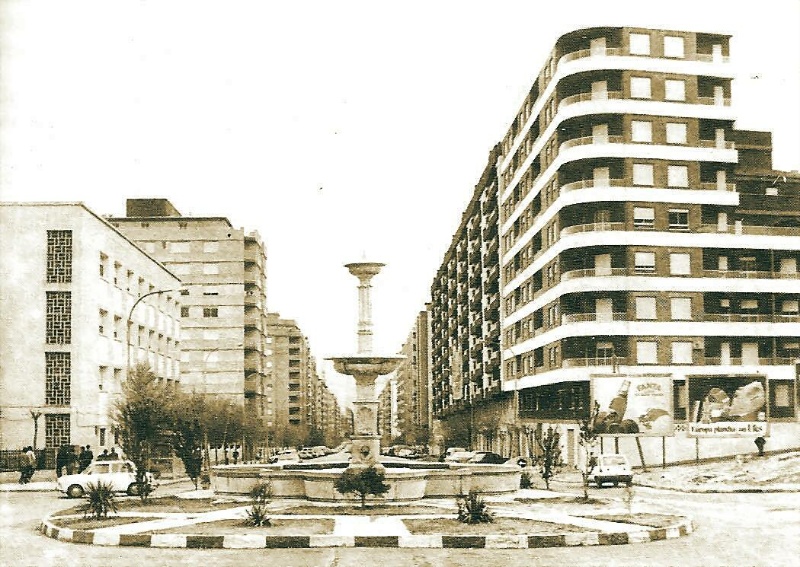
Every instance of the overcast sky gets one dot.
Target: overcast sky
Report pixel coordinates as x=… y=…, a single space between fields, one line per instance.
x=334 y=129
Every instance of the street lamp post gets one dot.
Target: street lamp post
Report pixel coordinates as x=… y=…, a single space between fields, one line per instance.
x=130 y=324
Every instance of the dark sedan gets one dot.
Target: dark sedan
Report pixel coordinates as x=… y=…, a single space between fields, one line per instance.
x=487 y=458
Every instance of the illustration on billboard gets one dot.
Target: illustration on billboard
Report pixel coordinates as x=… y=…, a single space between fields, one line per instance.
x=635 y=405
x=727 y=406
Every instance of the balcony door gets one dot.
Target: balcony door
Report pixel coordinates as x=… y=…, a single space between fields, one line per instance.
x=601 y=177
x=600 y=134
x=599 y=90
x=597 y=47
x=725 y=354
x=604 y=310
x=750 y=354
x=602 y=265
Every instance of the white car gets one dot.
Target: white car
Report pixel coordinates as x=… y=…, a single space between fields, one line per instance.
x=121 y=475
x=611 y=468
x=286 y=456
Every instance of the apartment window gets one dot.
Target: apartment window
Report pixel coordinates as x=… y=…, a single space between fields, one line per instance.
x=183 y=291
x=641 y=131
x=673 y=46
x=59 y=256
x=675 y=89
x=680 y=264
x=646 y=308
x=180 y=269
x=642 y=174
x=677 y=176
x=56 y=430
x=641 y=87
x=640 y=44
x=647 y=352
x=676 y=132
x=643 y=217
x=790 y=306
x=58 y=324
x=747 y=263
x=103 y=262
x=211 y=246
x=58 y=378
x=179 y=247
x=725 y=303
x=210 y=312
x=678 y=219
x=749 y=304
x=722 y=263
x=682 y=352
x=644 y=262
x=184 y=311
x=681 y=308
x=210 y=269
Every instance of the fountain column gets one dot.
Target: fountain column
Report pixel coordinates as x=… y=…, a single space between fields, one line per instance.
x=365 y=367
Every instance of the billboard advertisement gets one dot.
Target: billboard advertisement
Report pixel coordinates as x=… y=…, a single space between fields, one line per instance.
x=634 y=405
x=727 y=406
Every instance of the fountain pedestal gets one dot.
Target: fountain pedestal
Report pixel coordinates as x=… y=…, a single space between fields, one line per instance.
x=365 y=368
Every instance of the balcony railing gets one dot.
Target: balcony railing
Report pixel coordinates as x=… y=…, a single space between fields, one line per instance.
x=616 y=51
x=590 y=183
x=595 y=361
x=582 y=53
x=737 y=361
x=587 y=140
x=754 y=274
x=714 y=101
x=567 y=318
x=592 y=227
x=721 y=145
x=752 y=317
x=714 y=186
x=746 y=229
x=583 y=97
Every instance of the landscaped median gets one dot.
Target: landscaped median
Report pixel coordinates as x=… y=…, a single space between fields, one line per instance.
x=517 y=523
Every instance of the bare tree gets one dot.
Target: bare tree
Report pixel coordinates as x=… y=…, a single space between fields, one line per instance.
x=549 y=459
x=587 y=439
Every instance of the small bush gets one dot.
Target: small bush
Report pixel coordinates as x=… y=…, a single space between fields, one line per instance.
x=257 y=514
x=100 y=500
x=362 y=482
x=473 y=510
x=525 y=480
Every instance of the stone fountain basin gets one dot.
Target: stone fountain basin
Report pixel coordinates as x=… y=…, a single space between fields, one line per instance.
x=409 y=480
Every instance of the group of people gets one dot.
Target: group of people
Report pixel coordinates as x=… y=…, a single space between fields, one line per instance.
x=68 y=461
x=28 y=466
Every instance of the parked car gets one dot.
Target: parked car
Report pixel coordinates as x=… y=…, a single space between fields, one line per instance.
x=459 y=456
x=450 y=450
x=120 y=474
x=487 y=458
x=306 y=453
x=319 y=451
x=285 y=456
x=612 y=468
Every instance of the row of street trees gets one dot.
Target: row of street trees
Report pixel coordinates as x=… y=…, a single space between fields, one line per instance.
x=151 y=413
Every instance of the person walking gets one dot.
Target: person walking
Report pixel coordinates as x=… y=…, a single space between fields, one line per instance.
x=27 y=466
x=235 y=454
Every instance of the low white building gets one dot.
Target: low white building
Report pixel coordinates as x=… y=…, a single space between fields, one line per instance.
x=71 y=296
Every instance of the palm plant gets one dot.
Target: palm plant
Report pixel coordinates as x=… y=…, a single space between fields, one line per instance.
x=100 y=500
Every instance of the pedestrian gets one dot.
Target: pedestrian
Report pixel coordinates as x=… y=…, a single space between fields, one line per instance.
x=113 y=455
x=61 y=460
x=235 y=454
x=104 y=456
x=760 y=442
x=89 y=455
x=82 y=464
x=226 y=460
x=24 y=467
x=31 y=463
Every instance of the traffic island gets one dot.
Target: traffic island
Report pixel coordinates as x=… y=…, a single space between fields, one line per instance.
x=516 y=525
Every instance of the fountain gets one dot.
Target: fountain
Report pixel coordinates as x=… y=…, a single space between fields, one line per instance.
x=407 y=479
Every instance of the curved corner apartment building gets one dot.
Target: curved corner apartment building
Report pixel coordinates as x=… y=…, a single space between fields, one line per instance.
x=649 y=252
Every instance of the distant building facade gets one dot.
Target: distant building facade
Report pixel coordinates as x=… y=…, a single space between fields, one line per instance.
x=69 y=284
x=411 y=378
x=223 y=304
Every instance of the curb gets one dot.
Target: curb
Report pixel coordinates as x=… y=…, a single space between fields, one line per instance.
x=437 y=541
x=720 y=489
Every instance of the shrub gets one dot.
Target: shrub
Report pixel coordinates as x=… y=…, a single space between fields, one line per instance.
x=100 y=500
x=525 y=480
x=362 y=481
x=257 y=514
x=473 y=510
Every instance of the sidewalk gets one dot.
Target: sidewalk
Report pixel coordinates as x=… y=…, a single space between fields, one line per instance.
x=45 y=481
